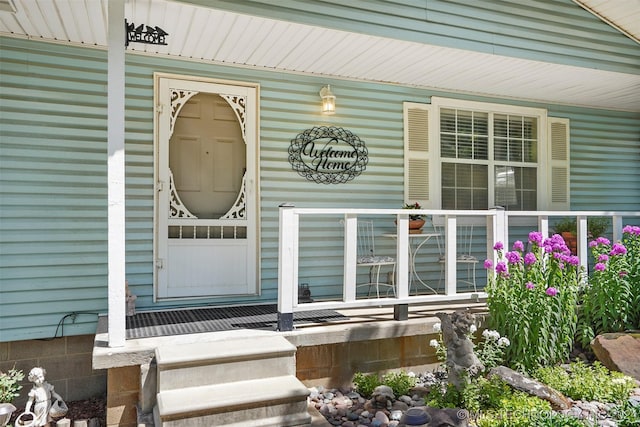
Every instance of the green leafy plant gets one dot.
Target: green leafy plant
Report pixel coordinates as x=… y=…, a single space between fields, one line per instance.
x=610 y=300
x=626 y=415
x=587 y=382
x=400 y=382
x=415 y=205
x=491 y=350
x=532 y=299
x=566 y=225
x=10 y=385
x=366 y=383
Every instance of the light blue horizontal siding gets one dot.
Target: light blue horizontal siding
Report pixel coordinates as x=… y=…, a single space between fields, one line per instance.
x=557 y=31
x=52 y=188
x=53 y=177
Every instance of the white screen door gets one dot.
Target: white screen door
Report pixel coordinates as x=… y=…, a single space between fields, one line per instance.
x=206 y=208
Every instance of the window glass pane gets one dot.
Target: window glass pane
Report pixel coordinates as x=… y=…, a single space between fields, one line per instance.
x=530 y=128
x=481 y=124
x=449 y=199
x=465 y=122
x=465 y=147
x=463 y=176
x=481 y=148
x=463 y=199
x=448 y=175
x=529 y=202
x=447 y=120
x=505 y=186
x=515 y=127
x=530 y=151
x=480 y=199
x=515 y=150
x=448 y=146
x=530 y=178
x=500 y=126
x=500 y=149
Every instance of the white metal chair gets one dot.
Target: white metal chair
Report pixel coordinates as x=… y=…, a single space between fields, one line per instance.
x=464 y=254
x=367 y=257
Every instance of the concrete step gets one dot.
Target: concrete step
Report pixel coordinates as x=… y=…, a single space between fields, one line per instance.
x=205 y=363
x=267 y=402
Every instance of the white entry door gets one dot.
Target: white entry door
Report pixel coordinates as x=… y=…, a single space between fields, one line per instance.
x=206 y=205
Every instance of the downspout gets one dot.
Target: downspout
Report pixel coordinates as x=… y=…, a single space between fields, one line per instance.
x=116 y=173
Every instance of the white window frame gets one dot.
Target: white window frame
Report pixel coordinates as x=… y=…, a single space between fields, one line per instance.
x=545 y=160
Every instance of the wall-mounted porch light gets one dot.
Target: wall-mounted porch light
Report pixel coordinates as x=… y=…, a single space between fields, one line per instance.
x=328 y=100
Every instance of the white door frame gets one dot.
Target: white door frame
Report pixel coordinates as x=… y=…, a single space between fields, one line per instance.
x=249 y=120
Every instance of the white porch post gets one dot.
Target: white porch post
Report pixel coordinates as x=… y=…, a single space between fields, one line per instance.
x=116 y=173
x=451 y=245
x=287 y=266
x=350 y=257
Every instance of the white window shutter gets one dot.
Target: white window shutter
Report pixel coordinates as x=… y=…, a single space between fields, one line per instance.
x=420 y=161
x=558 y=165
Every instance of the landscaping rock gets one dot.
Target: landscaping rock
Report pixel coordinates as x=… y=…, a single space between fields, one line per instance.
x=520 y=382
x=618 y=352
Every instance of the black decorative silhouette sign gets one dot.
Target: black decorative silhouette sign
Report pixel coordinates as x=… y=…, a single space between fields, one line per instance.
x=328 y=155
x=150 y=35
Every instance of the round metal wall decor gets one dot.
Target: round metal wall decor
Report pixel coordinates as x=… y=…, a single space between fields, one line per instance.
x=328 y=155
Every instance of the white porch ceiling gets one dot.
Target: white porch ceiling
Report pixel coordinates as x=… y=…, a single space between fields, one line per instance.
x=210 y=35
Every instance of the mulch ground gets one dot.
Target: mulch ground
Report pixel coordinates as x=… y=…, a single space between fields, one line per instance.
x=81 y=410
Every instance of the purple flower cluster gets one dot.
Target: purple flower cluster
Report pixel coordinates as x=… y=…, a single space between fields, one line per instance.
x=632 y=229
x=618 y=249
x=599 y=241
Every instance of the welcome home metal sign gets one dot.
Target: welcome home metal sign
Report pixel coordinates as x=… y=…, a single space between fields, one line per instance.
x=328 y=155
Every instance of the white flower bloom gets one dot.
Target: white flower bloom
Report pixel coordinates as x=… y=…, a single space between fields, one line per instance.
x=434 y=343
x=411 y=374
x=473 y=329
x=437 y=327
x=504 y=342
x=489 y=334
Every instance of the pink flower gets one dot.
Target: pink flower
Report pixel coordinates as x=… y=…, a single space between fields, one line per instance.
x=498 y=246
x=600 y=266
x=536 y=238
x=530 y=258
x=513 y=257
x=530 y=285
x=552 y=292
x=488 y=264
x=501 y=267
x=518 y=246
x=603 y=258
x=618 y=249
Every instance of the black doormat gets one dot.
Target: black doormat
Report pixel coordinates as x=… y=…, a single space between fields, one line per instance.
x=192 y=321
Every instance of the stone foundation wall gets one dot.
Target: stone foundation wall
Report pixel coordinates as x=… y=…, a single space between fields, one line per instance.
x=67 y=361
x=333 y=365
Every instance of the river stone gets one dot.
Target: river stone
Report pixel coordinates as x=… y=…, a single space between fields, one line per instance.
x=520 y=382
x=618 y=352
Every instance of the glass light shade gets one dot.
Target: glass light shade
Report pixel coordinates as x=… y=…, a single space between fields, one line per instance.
x=328 y=100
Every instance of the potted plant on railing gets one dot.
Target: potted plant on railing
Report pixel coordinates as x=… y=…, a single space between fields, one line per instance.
x=416 y=222
x=567 y=227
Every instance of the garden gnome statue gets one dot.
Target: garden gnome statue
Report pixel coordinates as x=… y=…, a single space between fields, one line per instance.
x=40 y=404
x=461 y=360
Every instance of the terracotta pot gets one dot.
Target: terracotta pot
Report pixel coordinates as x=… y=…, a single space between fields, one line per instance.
x=415 y=226
x=571 y=240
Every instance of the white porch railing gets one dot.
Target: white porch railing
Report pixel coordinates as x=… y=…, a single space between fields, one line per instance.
x=498 y=224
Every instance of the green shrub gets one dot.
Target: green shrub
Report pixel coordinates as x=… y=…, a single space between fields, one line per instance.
x=366 y=383
x=400 y=382
x=10 y=385
x=587 y=382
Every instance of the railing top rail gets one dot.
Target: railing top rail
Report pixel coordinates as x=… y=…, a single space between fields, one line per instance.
x=572 y=213
x=396 y=211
